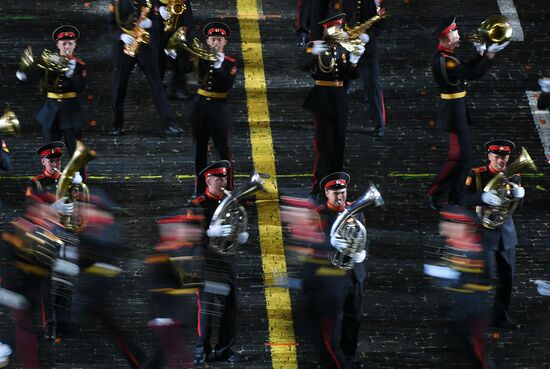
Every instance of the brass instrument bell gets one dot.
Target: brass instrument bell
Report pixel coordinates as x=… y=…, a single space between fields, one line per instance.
x=496 y=29
x=9 y=124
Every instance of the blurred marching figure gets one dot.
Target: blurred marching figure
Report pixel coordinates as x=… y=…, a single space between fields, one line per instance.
x=9 y=124
x=544 y=98
x=100 y=251
x=176 y=274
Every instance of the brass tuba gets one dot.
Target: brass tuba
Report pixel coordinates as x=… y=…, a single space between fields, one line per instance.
x=80 y=192
x=230 y=212
x=496 y=29
x=500 y=184
x=179 y=41
x=9 y=124
x=347 y=227
x=176 y=8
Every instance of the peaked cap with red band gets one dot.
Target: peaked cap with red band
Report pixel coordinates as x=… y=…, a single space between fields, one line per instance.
x=218 y=169
x=216 y=29
x=51 y=150
x=333 y=19
x=499 y=147
x=335 y=181
x=65 y=32
x=447 y=25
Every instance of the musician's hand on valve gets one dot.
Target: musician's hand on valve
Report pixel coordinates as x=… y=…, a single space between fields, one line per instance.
x=127 y=39
x=480 y=48
x=171 y=53
x=146 y=23
x=364 y=38
x=72 y=67
x=77 y=179
x=360 y=256
x=319 y=47
x=164 y=13
x=518 y=192
x=356 y=54
x=338 y=243
x=495 y=48
x=491 y=199
x=219 y=60
x=218 y=230
x=62 y=207
x=22 y=76
x=242 y=238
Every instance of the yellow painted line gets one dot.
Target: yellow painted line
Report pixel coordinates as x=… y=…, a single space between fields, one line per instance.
x=278 y=305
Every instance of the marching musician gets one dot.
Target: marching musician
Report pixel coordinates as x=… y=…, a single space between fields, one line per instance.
x=500 y=242
x=330 y=66
x=59 y=115
x=211 y=114
x=137 y=15
x=5 y=161
x=181 y=65
x=219 y=269
x=334 y=296
x=359 y=11
x=543 y=102
x=450 y=74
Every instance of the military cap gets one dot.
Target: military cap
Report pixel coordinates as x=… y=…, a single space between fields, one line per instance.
x=333 y=19
x=335 y=181
x=499 y=147
x=51 y=150
x=457 y=214
x=65 y=32
x=446 y=25
x=218 y=169
x=216 y=29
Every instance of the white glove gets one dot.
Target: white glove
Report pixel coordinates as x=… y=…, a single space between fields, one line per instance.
x=491 y=199
x=62 y=207
x=242 y=238
x=66 y=268
x=127 y=39
x=495 y=48
x=13 y=300
x=72 y=67
x=22 y=76
x=171 y=53
x=146 y=23
x=164 y=13
x=360 y=256
x=364 y=38
x=5 y=352
x=319 y=47
x=219 y=60
x=77 y=179
x=356 y=55
x=218 y=230
x=338 y=243
x=480 y=48
x=544 y=84
x=518 y=192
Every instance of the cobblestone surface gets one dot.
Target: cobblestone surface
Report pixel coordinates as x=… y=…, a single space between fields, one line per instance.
x=404 y=324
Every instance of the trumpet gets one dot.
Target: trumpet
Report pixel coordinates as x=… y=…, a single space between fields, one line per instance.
x=179 y=41
x=496 y=29
x=9 y=124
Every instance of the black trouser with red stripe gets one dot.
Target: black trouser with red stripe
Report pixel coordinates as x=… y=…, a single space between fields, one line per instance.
x=369 y=70
x=303 y=18
x=452 y=177
x=329 y=145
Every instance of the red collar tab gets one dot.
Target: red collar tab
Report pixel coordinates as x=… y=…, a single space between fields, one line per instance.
x=215 y=30
x=443 y=49
x=335 y=207
x=446 y=31
x=212 y=196
x=52 y=175
x=492 y=170
x=341 y=182
x=222 y=170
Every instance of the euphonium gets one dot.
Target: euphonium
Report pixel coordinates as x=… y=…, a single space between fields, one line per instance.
x=9 y=124
x=230 y=212
x=500 y=184
x=496 y=29
x=347 y=227
x=179 y=41
x=176 y=8
x=80 y=192
x=48 y=61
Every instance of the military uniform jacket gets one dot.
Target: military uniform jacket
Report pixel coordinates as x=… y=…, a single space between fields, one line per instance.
x=332 y=65
x=450 y=74
x=359 y=11
x=322 y=271
x=475 y=182
x=41 y=183
x=66 y=111
x=215 y=81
